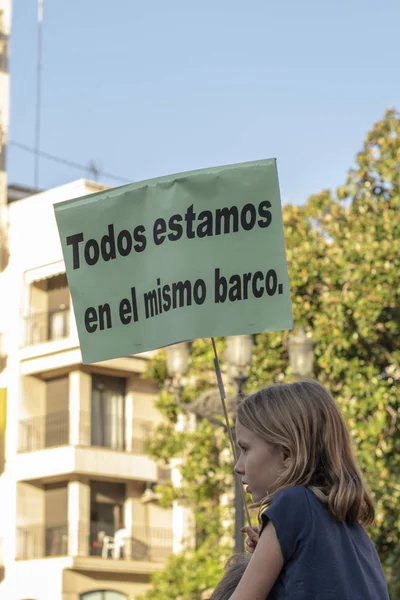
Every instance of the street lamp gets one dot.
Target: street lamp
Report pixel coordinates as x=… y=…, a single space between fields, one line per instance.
x=301 y=353
x=178 y=357
x=149 y=495
x=207 y=405
x=238 y=355
x=239 y=350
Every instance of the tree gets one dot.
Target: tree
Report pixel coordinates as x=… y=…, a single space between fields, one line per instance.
x=343 y=253
x=206 y=476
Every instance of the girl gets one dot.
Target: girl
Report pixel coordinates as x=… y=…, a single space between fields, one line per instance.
x=297 y=463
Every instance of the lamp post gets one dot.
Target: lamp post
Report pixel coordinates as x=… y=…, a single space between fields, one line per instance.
x=178 y=357
x=301 y=353
x=238 y=358
x=208 y=403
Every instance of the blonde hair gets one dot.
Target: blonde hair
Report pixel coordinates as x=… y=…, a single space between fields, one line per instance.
x=234 y=569
x=305 y=421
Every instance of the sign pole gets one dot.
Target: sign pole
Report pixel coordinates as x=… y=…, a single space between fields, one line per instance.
x=223 y=398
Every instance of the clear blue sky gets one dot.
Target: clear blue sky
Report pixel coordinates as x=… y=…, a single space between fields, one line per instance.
x=155 y=87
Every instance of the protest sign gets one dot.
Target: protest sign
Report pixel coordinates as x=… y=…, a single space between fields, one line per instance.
x=186 y=256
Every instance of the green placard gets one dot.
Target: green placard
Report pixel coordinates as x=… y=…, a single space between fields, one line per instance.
x=186 y=256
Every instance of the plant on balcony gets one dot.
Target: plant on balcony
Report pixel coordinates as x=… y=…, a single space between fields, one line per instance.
x=343 y=253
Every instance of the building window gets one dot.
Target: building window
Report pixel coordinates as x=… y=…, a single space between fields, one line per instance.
x=103 y=595
x=108 y=412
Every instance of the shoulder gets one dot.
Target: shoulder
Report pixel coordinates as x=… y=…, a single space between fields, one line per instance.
x=290 y=513
x=291 y=498
x=294 y=494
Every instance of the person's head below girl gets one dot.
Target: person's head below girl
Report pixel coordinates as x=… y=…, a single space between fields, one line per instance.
x=234 y=569
x=298 y=462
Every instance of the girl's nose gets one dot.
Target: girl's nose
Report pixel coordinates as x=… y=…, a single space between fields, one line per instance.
x=238 y=468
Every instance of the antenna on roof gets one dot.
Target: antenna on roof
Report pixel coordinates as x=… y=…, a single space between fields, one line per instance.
x=94 y=170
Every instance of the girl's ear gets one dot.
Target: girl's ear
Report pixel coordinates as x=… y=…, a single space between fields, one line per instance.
x=287 y=458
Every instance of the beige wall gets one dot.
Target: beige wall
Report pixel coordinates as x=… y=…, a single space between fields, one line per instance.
x=137 y=513
x=57 y=391
x=56 y=505
x=144 y=394
x=140 y=397
x=30 y=505
x=78 y=517
x=30 y=518
x=80 y=389
x=77 y=583
x=33 y=398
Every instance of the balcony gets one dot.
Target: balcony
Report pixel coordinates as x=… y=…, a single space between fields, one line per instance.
x=48 y=447
x=50 y=342
x=100 y=548
x=46 y=327
x=39 y=433
x=53 y=430
x=38 y=542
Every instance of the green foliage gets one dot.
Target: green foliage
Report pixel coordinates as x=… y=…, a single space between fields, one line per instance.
x=343 y=252
x=191 y=575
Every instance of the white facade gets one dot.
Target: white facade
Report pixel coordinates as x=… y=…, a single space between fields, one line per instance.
x=72 y=521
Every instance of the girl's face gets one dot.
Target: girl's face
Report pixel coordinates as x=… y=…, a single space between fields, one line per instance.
x=259 y=463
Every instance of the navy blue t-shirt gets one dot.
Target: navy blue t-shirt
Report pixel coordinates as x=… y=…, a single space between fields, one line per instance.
x=324 y=559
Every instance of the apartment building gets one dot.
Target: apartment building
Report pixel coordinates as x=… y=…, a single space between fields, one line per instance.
x=78 y=518
x=5 y=27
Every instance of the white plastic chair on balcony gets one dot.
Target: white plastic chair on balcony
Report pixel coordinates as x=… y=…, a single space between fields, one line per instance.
x=115 y=544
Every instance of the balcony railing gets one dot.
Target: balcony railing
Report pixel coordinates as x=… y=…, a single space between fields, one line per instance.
x=141 y=543
x=53 y=430
x=141 y=432
x=38 y=542
x=48 y=431
x=47 y=326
